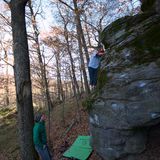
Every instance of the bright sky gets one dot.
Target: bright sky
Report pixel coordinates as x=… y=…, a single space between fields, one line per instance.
x=48 y=19
x=48 y=11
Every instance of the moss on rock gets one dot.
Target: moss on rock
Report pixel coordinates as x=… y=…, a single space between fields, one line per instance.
x=125 y=23
x=147 y=45
x=102 y=79
x=87 y=103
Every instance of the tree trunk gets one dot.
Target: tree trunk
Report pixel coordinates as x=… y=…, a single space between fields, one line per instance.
x=87 y=32
x=6 y=87
x=72 y=83
x=59 y=81
x=66 y=93
x=71 y=60
x=22 y=79
x=41 y=64
x=81 y=30
x=36 y=40
x=77 y=111
x=44 y=82
x=83 y=64
x=49 y=103
x=82 y=84
x=72 y=91
x=81 y=42
x=79 y=37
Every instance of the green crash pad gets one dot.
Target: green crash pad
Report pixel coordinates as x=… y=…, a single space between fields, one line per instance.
x=80 y=149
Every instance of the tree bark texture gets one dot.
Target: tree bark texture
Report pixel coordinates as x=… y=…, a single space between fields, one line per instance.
x=77 y=111
x=78 y=22
x=83 y=64
x=59 y=81
x=81 y=43
x=22 y=78
x=75 y=84
x=6 y=86
x=44 y=82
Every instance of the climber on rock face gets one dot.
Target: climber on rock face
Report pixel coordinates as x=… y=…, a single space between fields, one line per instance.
x=94 y=64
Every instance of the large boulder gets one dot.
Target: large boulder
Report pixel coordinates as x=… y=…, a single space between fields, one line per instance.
x=150 y=5
x=129 y=103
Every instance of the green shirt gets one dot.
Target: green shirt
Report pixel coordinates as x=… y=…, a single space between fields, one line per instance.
x=39 y=134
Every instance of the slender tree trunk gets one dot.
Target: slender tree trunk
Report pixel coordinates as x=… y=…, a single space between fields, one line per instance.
x=87 y=31
x=63 y=100
x=59 y=81
x=45 y=88
x=70 y=55
x=82 y=84
x=72 y=92
x=22 y=78
x=72 y=83
x=82 y=61
x=83 y=65
x=81 y=42
x=77 y=111
x=79 y=37
x=72 y=65
x=6 y=87
x=59 y=84
x=66 y=94
x=81 y=30
x=36 y=39
x=49 y=103
x=63 y=108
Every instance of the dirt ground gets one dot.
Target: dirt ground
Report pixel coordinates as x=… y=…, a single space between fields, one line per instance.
x=64 y=133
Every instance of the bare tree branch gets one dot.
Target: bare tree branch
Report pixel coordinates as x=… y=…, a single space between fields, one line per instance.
x=101 y=19
x=6 y=1
x=49 y=60
x=90 y=25
x=5 y=19
x=1 y=59
x=66 y=4
x=31 y=37
x=38 y=9
x=84 y=3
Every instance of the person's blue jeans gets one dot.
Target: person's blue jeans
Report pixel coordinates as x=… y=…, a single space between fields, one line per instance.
x=93 y=74
x=43 y=153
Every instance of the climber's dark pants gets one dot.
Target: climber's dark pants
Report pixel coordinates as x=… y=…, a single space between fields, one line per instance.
x=93 y=73
x=43 y=153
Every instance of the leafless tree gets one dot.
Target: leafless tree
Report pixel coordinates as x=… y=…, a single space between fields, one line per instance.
x=22 y=77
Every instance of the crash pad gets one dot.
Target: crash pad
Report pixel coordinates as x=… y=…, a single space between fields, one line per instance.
x=80 y=149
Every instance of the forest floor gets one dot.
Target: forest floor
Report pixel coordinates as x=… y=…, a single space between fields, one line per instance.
x=62 y=133
x=9 y=148
x=70 y=130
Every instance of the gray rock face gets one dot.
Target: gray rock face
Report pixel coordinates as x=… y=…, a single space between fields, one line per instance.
x=129 y=103
x=150 y=5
